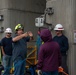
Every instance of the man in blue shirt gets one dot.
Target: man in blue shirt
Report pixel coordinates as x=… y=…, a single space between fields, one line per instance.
x=6 y=45
x=38 y=42
x=63 y=42
x=20 y=49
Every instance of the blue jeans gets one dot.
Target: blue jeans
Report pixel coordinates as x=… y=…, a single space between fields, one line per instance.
x=50 y=73
x=7 y=63
x=19 y=66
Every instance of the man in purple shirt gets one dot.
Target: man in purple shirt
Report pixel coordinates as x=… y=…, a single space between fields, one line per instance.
x=49 y=58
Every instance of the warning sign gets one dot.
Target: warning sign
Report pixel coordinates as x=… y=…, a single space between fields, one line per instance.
x=74 y=36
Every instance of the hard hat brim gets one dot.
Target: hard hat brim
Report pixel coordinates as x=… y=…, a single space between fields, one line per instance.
x=8 y=32
x=58 y=29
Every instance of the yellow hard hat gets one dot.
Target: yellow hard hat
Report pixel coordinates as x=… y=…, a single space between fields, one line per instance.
x=19 y=26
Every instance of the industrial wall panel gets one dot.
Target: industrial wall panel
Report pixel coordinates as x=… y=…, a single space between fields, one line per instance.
x=65 y=13
x=21 y=11
x=24 y=5
x=12 y=18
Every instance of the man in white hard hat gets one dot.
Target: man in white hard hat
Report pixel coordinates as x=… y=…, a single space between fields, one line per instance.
x=6 y=45
x=63 y=42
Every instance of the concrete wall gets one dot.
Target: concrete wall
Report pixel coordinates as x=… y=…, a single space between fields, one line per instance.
x=21 y=11
x=65 y=13
x=25 y=12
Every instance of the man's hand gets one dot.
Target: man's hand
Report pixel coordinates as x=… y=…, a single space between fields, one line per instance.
x=25 y=34
x=39 y=72
x=30 y=34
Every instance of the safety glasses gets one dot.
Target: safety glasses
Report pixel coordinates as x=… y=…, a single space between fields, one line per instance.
x=8 y=33
x=57 y=30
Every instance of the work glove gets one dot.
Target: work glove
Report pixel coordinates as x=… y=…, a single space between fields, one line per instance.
x=39 y=72
x=60 y=69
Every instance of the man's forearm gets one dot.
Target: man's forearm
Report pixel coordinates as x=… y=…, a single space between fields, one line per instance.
x=17 y=38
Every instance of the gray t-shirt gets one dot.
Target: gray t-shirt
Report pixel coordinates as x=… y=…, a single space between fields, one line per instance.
x=20 y=48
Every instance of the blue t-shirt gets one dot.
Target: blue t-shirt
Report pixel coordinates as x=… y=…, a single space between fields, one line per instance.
x=63 y=43
x=0 y=43
x=7 y=45
x=38 y=42
x=20 y=48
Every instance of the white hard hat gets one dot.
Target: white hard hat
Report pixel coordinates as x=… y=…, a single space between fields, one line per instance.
x=58 y=27
x=8 y=30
